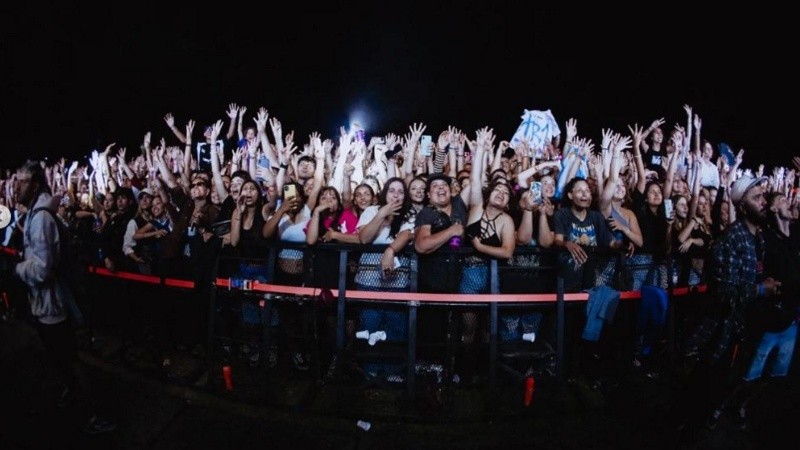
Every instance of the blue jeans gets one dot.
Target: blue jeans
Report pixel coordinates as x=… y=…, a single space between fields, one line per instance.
x=251 y=312
x=393 y=322
x=514 y=325
x=783 y=342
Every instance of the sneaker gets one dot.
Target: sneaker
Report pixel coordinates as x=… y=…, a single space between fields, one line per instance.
x=395 y=378
x=300 y=361
x=97 y=425
x=741 y=422
x=254 y=358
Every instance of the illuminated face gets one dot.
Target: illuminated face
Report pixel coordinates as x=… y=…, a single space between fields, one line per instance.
x=581 y=195
x=363 y=197
x=199 y=188
x=754 y=203
x=681 y=208
x=145 y=202
x=439 y=193
x=305 y=169
x=417 y=191
x=308 y=186
x=395 y=192
x=702 y=206
x=157 y=208
x=328 y=198
x=620 y=190
x=250 y=193
x=548 y=186
x=235 y=187
x=658 y=136
x=500 y=196
x=654 y=197
x=708 y=150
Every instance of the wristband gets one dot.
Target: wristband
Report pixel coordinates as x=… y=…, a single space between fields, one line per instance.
x=284 y=166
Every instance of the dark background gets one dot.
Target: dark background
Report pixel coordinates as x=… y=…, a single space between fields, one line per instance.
x=77 y=78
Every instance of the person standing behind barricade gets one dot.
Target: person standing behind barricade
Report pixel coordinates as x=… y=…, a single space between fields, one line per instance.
x=390 y=222
x=490 y=232
x=737 y=281
x=249 y=244
x=439 y=226
x=51 y=300
x=196 y=215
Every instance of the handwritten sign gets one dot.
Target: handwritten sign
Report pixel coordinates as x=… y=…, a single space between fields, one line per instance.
x=537 y=129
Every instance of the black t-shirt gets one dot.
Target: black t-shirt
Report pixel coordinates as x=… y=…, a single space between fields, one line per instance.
x=440 y=271
x=202 y=151
x=653 y=226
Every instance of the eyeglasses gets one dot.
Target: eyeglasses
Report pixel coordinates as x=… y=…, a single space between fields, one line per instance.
x=194 y=185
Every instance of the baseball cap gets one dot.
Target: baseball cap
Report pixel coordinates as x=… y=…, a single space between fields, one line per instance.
x=438 y=176
x=744 y=184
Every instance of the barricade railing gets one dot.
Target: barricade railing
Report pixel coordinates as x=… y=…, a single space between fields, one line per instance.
x=345 y=292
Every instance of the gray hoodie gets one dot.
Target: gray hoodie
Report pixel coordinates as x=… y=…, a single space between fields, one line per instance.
x=38 y=268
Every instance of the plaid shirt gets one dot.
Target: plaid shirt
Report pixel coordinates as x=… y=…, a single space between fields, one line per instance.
x=735 y=264
x=734 y=277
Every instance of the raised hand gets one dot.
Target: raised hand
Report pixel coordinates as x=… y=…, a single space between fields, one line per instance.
x=688 y=110
x=233 y=110
x=169 y=119
x=261 y=119
x=698 y=124
x=622 y=143
x=572 y=129
x=657 y=123
x=637 y=133
x=605 y=143
x=444 y=140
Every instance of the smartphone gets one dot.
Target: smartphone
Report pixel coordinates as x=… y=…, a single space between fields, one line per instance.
x=263 y=163
x=426 y=145
x=289 y=191
x=668 y=207
x=536 y=190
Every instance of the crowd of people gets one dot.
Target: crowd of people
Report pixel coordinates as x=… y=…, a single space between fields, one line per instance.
x=680 y=209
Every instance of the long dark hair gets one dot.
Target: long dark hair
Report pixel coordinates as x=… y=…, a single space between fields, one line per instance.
x=405 y=211
x=259 y=201
x=336 y=215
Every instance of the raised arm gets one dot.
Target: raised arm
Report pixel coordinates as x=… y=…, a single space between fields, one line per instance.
x=170 y=120
x=638 y=138
x=232 y=112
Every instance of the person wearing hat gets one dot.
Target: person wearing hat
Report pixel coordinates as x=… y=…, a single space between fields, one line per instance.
x=112 y=237
x=736 y=280
x=137 y=250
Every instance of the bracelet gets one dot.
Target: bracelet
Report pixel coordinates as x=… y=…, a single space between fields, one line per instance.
x=637 y=156
x=284 y=166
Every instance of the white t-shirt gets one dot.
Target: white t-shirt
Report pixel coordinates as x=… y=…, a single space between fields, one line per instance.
x=369 y=265
x=293 y=232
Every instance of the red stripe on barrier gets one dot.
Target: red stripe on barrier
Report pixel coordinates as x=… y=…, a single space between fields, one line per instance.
x=128 y=276
x=382 y=296
x=174 y=282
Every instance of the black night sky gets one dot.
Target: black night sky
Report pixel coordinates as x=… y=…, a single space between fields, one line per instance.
x=77 y=78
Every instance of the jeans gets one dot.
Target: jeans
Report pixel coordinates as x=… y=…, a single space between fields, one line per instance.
x=514 y=325
x=393 y=322
x=783 y=342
